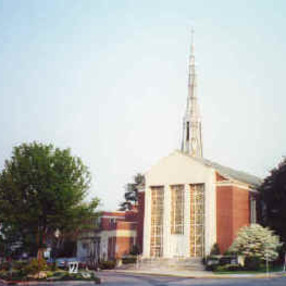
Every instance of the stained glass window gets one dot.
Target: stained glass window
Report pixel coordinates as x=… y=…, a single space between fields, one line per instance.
x=157 y=208
x=197 y=220
x=177 y=209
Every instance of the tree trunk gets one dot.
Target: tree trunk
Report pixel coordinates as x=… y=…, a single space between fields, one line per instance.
x=40 y=253
x=41 y=243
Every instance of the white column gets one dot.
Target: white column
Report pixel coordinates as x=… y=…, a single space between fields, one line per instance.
x=147 y=223
x=210 y=212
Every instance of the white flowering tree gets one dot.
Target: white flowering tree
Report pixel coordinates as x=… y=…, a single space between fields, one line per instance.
x=258 y=242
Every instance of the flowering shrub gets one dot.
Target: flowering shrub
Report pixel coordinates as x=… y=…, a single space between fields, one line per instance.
x=36 y=266
x=256 y=243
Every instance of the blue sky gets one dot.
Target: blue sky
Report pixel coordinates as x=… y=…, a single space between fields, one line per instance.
x=109 y=80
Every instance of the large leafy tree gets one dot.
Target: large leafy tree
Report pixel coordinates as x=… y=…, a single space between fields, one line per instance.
x=273 y=194
x=256 y=242
x=42 y=190
x=131 y=192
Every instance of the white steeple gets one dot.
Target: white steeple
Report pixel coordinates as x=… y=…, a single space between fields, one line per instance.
x=192 y=134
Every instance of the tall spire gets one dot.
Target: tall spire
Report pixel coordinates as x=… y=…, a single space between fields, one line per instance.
x=192 y=134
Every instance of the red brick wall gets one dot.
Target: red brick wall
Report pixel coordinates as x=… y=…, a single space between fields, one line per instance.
x=140 y=226
x=123 y=246
x=116 y=214
x=224 y=217
x=125 y=225
x=232 y=213
x=106 y=223
x=131 y=215
x=241 y=211
x=119 y=246
x=120 y=220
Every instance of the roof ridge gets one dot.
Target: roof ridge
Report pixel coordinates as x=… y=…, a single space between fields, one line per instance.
x=230 y=172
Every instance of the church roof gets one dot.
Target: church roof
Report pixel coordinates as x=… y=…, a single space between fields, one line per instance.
x=229 y=172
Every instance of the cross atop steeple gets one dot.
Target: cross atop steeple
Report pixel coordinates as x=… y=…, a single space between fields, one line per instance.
x=192 y=134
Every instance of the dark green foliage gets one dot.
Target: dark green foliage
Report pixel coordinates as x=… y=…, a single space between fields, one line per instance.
x=227 y=259
x=110 y=264
x=211 y=267
x=252 y=263
x=4 y=266
x=129 y=260
x=67 y=249
x=54 y=266
x=131 y=192
x=211 y=262
x=229 y=267
x=15 y=275
x=35 y=266
x=214 y=261
x=273 y=194
x=42 y=189
x=215 y=250
x=66 y=276
x=18 y=265
x=51 y=276
x=134 y=250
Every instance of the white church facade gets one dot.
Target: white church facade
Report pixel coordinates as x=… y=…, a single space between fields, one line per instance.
x=192 y=203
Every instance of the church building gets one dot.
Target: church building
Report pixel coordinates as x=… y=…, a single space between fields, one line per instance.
x=189 y=203
x=186 y=205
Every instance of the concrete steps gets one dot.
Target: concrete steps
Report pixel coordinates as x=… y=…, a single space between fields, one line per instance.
x=164 y=264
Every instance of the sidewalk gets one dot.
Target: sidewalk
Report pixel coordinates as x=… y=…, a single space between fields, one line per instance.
x=199 y=274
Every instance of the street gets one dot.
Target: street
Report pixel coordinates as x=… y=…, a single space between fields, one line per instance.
x=112 y=278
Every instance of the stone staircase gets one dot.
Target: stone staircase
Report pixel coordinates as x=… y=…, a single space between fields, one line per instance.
x=166 y=264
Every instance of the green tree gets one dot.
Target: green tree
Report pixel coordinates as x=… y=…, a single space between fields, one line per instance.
x=131 y=192
x=42 y=189
x=273 y=195
x=255 y=242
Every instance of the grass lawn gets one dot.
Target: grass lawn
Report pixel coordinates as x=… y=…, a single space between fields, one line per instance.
x=272 y=269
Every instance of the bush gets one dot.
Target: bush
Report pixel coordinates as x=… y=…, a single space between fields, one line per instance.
x=215 y=250
x=129 y=260
x=229 y=267
x=36 y=266
x=135 y=250
x=212 y=262
x=110 y=264
x=5 y=266
x=228 y=259
x=80 y=276
x=211 y=267
x=252 y=263
x=4 y=275
x=53 y=266
x=19 y=265
x=256 y=242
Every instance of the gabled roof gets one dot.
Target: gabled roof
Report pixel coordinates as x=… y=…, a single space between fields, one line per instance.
x=240 y=176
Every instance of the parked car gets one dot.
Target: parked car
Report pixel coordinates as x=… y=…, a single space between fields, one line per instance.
x=63 y=262
x=212 y=262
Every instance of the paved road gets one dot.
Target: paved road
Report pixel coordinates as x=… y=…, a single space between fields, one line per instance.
x=111 y=278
